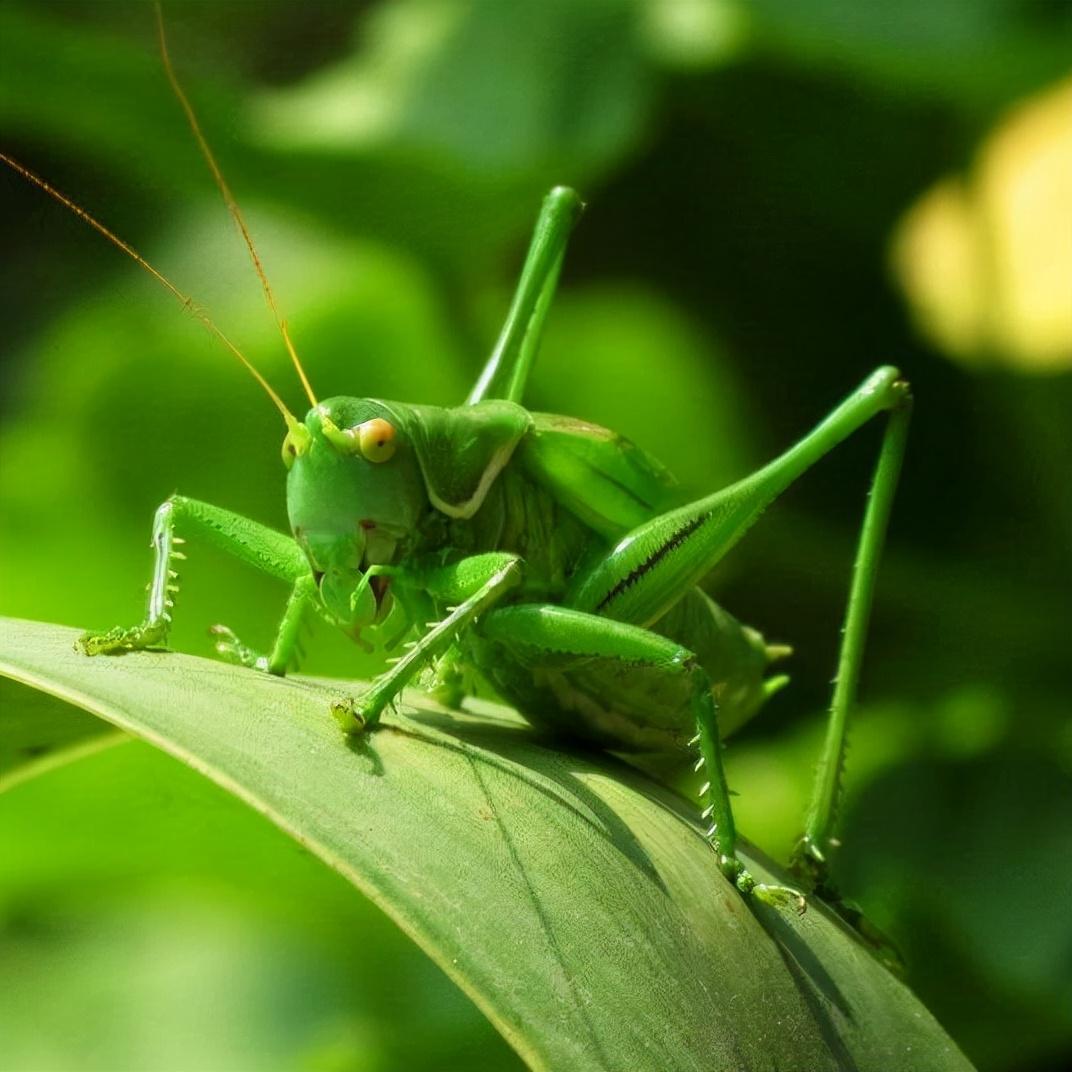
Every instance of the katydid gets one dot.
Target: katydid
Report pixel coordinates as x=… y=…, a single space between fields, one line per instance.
x=549 y=556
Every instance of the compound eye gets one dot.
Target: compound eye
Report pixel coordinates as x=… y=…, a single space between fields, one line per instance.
x=376 y=438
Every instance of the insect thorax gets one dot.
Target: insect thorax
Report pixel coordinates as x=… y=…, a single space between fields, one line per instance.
x=521 y=516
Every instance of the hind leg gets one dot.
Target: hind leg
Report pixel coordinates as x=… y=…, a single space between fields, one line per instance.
x=810 y=858
x=652 y=569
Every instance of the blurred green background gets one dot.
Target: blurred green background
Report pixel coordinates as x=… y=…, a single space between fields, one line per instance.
x=781 y=196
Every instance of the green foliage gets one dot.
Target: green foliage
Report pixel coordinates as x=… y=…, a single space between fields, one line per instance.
x=154 y=921
x=744 y=167
x=576 y=903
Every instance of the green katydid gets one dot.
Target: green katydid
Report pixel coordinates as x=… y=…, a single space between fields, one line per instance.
x=549 y=556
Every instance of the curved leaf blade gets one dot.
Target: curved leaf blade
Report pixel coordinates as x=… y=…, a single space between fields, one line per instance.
x=41 y=734
x=573 y=900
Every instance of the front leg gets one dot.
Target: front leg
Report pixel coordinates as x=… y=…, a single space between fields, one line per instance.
x=259 y=546
x=284 y=653
x=477 y=583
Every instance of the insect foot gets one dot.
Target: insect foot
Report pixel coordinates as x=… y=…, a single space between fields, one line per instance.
x=234 y=651
x=808 y=863
x=780 y=897
x=775 y=896
x=448 y=685
x=120 y=639
x=348 y=713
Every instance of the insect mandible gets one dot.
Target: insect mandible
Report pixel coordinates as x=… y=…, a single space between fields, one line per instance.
x=550 y=556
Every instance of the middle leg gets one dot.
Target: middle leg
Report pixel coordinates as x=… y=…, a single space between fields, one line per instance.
x=554 y=639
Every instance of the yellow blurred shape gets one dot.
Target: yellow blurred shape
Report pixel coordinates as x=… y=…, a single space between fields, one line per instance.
x=987 y=261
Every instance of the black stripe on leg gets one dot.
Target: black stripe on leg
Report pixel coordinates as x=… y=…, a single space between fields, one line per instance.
x=652 y=560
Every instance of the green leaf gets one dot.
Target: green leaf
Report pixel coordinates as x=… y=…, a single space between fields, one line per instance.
x=570 y=88
x=149 y=920
x=984 y=53
x=399 y=137
x=40 y=734
x=573 y=900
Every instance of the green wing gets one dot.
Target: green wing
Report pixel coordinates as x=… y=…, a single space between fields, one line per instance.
x=601 y=477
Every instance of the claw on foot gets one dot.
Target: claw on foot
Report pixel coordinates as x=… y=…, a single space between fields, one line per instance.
x=808 y=864
x=119 y=639
x=349 y=717
x=233 y=650
x=780 y=897
x=775 y=896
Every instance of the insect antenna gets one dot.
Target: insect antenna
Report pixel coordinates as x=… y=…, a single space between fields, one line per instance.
x=185 y=300
x=229 y=200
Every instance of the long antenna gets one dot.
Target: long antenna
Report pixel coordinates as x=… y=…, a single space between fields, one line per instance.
x=229 y=199
x=186 y=301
